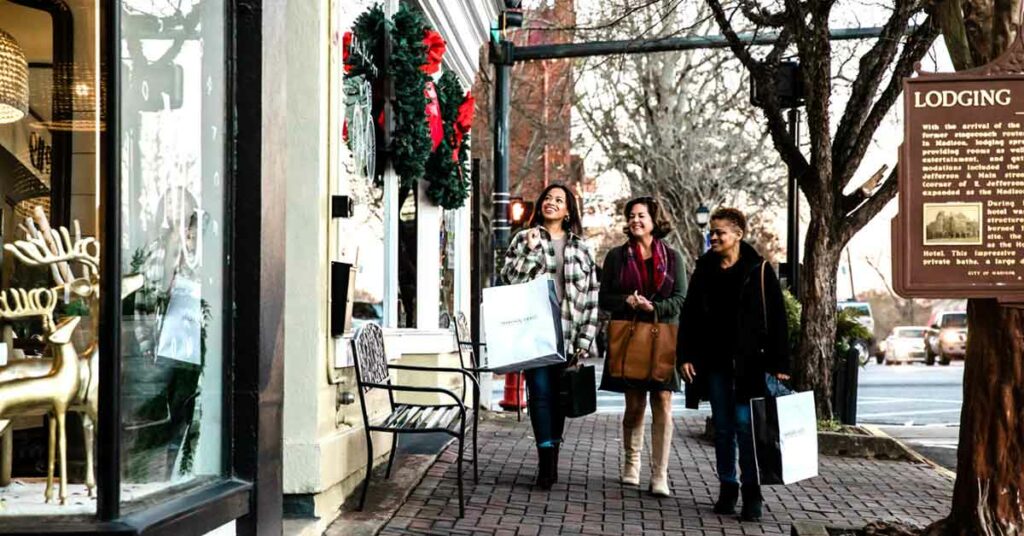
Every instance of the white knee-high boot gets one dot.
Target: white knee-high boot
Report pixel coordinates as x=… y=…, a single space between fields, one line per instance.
x=632 y=446
x=661 y=447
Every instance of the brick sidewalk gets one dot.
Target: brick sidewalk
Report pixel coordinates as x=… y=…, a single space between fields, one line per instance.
x=590 y=500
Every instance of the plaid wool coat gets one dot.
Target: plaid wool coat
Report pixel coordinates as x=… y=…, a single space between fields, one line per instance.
x=579 y=304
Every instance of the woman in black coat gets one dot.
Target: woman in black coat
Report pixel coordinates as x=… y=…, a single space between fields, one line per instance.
x=732 y=335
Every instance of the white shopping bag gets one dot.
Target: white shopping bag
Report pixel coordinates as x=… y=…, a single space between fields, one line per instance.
x=785 y=431
x=523 y=326
x=181 y=328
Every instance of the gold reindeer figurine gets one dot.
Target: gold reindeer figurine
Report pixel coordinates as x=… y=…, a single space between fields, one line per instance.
x=58 y=248
x=52 y=393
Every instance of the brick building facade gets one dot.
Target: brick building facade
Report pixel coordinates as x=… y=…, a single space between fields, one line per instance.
x=540 y=121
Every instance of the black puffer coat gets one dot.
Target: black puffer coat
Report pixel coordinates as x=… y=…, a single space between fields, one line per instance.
x=761 y=343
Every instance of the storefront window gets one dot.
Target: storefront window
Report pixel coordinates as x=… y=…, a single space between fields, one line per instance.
x=49 y=134
x=173 y=243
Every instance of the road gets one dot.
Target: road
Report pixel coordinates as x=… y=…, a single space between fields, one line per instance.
x=917 y=404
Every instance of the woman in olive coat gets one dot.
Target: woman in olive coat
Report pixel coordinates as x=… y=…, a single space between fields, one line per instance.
x=644 y=279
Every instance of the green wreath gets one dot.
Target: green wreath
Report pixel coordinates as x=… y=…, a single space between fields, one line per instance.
x=448 y=185
x=411 y=144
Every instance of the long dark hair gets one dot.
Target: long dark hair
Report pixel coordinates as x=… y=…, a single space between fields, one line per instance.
x=573 y=224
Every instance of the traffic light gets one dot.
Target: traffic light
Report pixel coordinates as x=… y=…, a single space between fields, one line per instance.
x=517 y=211
x=511 y=16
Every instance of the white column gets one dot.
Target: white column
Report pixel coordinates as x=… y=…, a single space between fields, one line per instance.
x=390 y=247
x=428 y=260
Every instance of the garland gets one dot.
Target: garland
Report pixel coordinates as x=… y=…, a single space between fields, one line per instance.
x=448 y=185
x=411 y=145
x=416 y=51
x=411 y=141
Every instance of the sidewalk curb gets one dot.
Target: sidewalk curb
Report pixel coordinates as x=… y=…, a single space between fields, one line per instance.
x=911 y=453
x=370 y=522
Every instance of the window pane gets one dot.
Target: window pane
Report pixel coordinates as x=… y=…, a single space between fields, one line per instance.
x=173 y=200
x=49 y=132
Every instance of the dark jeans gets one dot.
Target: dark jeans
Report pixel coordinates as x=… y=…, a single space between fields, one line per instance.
x=545 y=411
x=732 y=426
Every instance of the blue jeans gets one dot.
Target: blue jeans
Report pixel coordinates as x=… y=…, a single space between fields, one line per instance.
x=732 y=426
x=545 y=411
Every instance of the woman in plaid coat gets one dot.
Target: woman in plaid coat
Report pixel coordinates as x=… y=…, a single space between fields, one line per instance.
x=552 y=245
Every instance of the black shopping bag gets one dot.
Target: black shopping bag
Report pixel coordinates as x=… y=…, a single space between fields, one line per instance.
x=764 y=419
x=578 y=392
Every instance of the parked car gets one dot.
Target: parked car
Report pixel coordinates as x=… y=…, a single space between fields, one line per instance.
x=946 y=338
x=905 y=344
x=862 y=310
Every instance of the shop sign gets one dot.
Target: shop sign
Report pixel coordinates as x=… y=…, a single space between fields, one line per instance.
x=960 y=228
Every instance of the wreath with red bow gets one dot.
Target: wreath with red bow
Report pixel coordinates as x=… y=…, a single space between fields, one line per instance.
x=432 y=121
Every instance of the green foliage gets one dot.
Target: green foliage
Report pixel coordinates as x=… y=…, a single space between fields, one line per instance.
x=449 y=187
x=793 y=311
x=368 y=30
x=76 y=308
x=411 y=144
x=848 y=330
x=829 y=425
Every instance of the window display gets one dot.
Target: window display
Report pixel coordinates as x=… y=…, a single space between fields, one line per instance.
x=49 y=274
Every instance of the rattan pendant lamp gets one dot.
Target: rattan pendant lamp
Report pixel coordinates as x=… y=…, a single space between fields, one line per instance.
x=13 y=80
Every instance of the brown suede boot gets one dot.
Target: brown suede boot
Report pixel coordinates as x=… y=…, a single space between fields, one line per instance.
x=632 y=446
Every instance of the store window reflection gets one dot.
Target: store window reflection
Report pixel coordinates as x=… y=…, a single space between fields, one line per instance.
x=173 y=199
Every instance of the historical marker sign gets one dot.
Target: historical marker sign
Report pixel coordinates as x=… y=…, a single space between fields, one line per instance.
x=960 y=229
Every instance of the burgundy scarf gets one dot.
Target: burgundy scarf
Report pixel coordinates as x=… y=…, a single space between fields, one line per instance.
x=634 y=276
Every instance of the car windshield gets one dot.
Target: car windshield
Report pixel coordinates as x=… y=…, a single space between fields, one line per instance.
x=910 y=333
x=958 y=320
x=859 y=309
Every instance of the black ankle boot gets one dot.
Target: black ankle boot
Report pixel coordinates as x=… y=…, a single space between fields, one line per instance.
x=545 y=461
x=752 y=503
x=554 y=464
x=728 y=495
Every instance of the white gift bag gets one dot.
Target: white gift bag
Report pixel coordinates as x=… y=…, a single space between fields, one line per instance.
x=522 y=326
x=785 y=431
x=181 y=329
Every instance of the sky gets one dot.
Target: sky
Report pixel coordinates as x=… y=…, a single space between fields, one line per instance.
x=872 y=246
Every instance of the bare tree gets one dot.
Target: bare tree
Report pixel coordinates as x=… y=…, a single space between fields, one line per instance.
x=836 y=149
x=678 y=125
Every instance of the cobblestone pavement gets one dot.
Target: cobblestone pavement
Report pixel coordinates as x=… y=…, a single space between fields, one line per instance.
x=590 y=500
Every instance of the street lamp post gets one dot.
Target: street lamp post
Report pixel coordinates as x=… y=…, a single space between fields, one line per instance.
x=703 y=217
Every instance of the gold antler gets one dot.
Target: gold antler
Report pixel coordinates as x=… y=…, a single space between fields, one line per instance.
x=19 y=303
x=56 y=248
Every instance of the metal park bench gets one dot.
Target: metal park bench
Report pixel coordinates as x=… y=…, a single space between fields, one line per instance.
x=374 y=372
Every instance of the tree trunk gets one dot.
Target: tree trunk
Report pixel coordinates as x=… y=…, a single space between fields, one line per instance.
x=987 y=497
x=818 y=295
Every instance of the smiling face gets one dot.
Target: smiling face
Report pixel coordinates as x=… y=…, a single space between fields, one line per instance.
x=554 y=206
x=639 y=220
x=725 y=236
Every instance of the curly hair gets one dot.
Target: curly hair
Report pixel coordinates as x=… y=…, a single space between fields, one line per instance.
x=662 y=227
x=573 y=224
x=731 y=215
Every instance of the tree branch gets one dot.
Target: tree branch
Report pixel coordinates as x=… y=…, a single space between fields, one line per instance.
x=856 y=220
x=873 y=67
x=917 y=46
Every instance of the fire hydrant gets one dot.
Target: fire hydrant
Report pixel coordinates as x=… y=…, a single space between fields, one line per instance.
x=515 y=390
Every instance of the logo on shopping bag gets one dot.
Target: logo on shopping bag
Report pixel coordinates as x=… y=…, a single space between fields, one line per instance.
x=518 y=321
